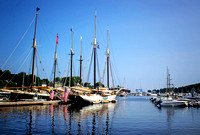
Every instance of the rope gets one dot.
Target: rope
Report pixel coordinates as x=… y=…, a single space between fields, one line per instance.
x=75 y=76
x=102 y=79
x=46 y=33
x=52 y=71
x=117 y=77
x=88 y=60
x=16 y=61
x=41 y=65
x=98 y=69
x=74 y=71
x=31 y=61
x=18 y=43
x=90 y=66
x=37 y=71
x=23 y=78
x=112 y=76
x=58 y=69
x=30 y=66
x=67 y=72
x=78 y=73
x=19 y=68
x=116 y=71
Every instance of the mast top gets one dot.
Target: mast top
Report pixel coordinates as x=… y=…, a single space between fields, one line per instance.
x=57 y=39
x=95 y=42
x=34 y=49
x=95 y=12
x=107 y=40
x=81 y=46
x=72 y=38
x=37 y=9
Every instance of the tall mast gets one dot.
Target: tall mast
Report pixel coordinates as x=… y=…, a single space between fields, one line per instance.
x=167 y=80
x=94 y=47
x=107 y=54
x=55 y=63
x=169 y=84
x=34 y=49
x=71 y=58
x=81 y=61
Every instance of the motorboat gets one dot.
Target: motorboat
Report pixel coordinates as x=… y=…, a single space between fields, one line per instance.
x=169 y=102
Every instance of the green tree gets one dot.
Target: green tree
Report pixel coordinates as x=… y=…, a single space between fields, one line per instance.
x=2 y=83
x=45 y=81
x=149 y=91
x=99 y=84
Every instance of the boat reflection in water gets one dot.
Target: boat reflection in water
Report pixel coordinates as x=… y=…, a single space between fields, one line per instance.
x=57 y=119
x=93 y=119
x=171 y=116
x=130 y=115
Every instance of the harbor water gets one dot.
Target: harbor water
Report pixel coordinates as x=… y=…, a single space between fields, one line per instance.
x=130 y=115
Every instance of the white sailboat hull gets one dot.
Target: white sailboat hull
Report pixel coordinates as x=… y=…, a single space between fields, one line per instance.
x=111 y=97
x=174 y=103
x=96 y=98
x=93 y=98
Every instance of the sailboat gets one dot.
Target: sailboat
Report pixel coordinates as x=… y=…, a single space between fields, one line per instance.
x=58 y=90
x=124 y=91
x=97 y=94
x=168 y=101
x=33 y=92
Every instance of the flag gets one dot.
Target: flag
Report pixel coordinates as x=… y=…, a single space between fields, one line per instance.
x=66 y=95
x=51 y=94
x=37 y=9
x=98 y=46
x=57 y=39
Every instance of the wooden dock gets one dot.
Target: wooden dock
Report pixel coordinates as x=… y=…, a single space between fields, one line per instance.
x=23 y=103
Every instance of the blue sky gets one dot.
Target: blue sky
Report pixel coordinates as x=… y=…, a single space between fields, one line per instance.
x=146 y=36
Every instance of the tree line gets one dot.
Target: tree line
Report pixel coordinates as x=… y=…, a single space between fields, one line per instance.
x=22 y=79
x=18 y=80
x=184 y=89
